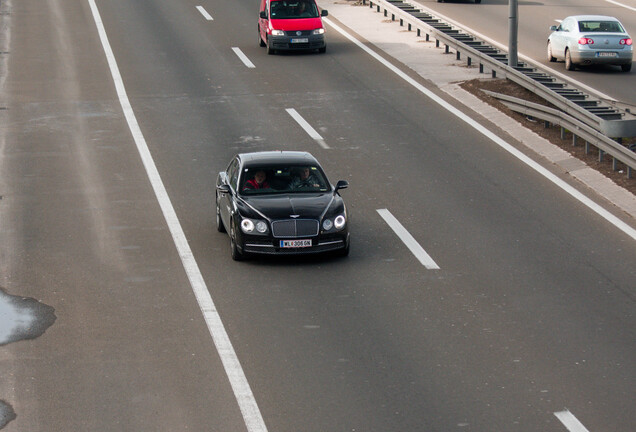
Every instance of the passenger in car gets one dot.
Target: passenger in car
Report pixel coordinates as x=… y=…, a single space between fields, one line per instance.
x=258 y=182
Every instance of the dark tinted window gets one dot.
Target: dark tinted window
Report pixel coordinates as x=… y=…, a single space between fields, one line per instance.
x=293 y=9
x=283 y=179
x=232 y=173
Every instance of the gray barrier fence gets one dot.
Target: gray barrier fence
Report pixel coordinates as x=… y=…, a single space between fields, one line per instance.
x=579 y=129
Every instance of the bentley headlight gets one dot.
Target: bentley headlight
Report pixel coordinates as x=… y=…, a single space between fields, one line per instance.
x=247 y=226
x=327 y=224
x=340 y=222
x=261 y=227
x=250 y=226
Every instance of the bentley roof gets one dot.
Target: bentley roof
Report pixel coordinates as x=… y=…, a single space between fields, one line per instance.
x=288 y=157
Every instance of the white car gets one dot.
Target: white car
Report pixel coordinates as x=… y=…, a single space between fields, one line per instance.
x=590 y=39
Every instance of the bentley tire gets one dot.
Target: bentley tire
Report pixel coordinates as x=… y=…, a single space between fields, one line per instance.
x=219 y=223
x=237 y=255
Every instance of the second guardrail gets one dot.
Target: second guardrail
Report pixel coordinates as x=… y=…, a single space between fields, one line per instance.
x=604 y=144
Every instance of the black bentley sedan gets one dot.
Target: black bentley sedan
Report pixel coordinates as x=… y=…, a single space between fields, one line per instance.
x=280 y=202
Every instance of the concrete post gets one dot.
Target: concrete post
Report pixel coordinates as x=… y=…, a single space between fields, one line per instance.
x=513 y=29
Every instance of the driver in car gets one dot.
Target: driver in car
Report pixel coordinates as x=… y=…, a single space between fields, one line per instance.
x=305 y=179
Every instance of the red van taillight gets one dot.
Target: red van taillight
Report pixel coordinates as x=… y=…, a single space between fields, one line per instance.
x=626 y=41
x=586 y=41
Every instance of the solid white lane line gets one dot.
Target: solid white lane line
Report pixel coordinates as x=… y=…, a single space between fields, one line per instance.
x=307 y=127
x=205 y=13
x=631 y=232
x=241 y=388
x=243 y=57
x=408 y=240
x=621 y=4
x=570 y=422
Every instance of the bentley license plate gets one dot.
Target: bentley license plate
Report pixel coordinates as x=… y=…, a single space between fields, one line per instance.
x=295 y=243
x=300 y=40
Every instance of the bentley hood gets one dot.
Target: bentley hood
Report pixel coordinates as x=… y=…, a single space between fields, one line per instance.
x=303 y=206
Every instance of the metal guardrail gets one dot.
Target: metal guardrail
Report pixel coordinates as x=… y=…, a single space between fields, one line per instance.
x=578 y=129
x=588 y=118
x=605 y=118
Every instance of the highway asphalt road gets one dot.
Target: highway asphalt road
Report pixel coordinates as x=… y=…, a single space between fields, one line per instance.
x=527 y=325
x=491 y=17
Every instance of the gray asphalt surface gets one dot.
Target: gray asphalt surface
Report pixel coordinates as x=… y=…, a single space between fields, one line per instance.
x=531 y=312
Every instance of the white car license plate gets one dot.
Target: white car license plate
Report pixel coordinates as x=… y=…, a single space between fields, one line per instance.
x=606 y=54
x=295 y=243
x=300 y=40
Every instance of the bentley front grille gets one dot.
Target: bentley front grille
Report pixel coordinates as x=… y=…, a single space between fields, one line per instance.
x=295 y=228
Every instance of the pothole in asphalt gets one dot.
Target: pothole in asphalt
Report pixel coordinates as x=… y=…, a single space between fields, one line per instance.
x=23 y=318
x=6 y=414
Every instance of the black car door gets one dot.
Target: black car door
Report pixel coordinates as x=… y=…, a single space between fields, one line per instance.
x=226 y=199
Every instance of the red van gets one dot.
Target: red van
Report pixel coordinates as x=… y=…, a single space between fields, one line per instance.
x=291 y=25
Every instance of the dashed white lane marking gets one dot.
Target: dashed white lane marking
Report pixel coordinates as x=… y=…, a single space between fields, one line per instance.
x=408 y=240
x=570 y=422
x=205 y=13
x=631 y=232
x=241 y=388
x=307 y=127
x=243 y=58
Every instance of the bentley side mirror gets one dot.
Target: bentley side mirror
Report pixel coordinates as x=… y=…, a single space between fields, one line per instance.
x=224 y=188
x=342 y=184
